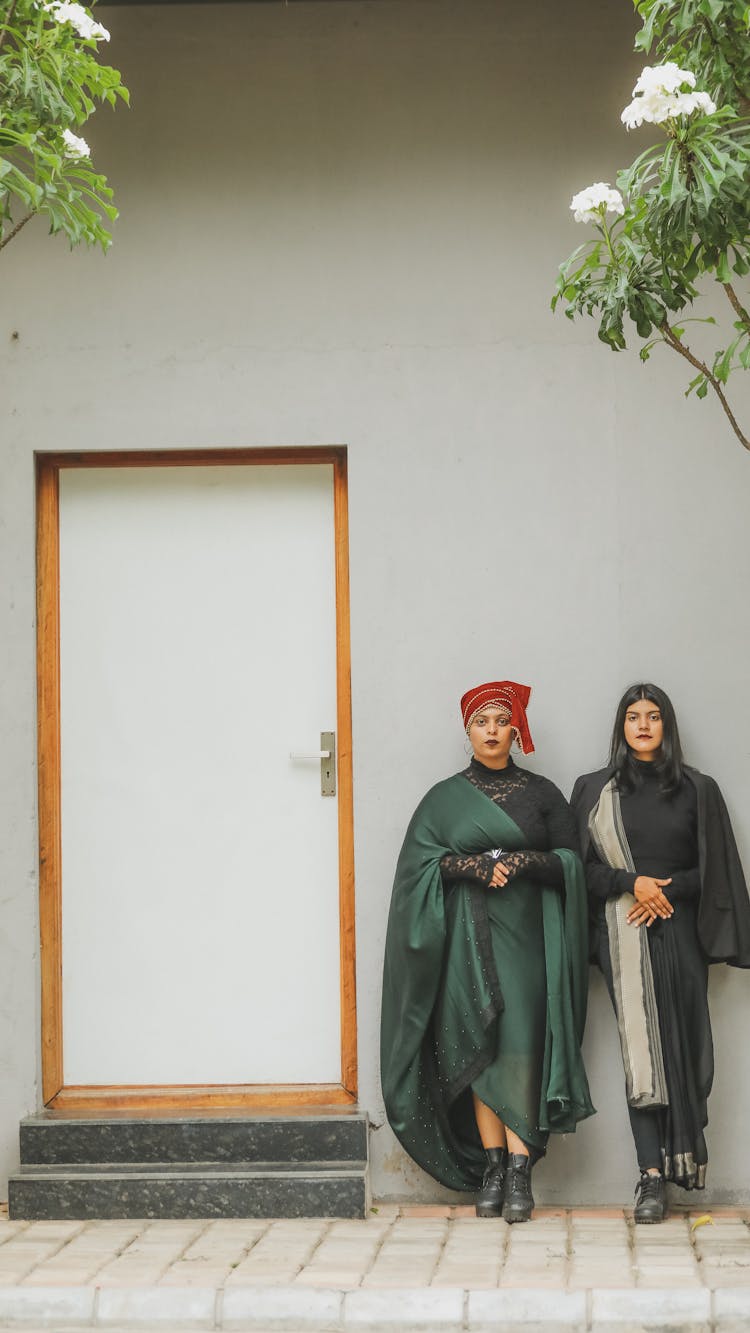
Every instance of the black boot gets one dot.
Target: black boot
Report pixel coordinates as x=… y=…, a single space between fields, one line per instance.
x=518 y=1201
x=650 y=1199
x=490 y=1197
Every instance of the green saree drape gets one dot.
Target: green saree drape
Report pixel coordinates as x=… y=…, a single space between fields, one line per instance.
x=481 y=987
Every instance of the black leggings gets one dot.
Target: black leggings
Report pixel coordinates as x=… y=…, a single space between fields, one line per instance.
x=648 y=1137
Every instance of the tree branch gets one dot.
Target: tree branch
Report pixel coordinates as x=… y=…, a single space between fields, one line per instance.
x=8 y=21
x=737 y=304
x=677 y=345
x=16 y=229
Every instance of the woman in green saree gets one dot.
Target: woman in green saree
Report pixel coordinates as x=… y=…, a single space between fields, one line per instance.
x=485 y=977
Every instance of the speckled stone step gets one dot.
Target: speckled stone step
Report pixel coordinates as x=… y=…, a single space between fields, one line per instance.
x=197 y=1166
x=53 y=1137
x=262 y=1190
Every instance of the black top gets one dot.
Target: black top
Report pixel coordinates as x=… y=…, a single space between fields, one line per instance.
x=723 y=909
x=662 y=830
x=541 y=812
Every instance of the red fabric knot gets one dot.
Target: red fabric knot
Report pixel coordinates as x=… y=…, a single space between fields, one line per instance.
x=506 y=694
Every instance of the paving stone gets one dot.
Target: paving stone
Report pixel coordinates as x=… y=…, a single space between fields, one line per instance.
x=648 y=1326
x=732 y=1307
x=233 y=1227
x=728 y=1255
x=672 y=1279
x=333 y=1278
x=425 y=1211
x=688 y=1311
x=278 y=1255
x=352 y=1227
x=489 y=1311
x=186 y=1307
x=472 y=1281
x=726 y=1278
x=51 y=1231
x=10 y=1229
x=81 y=1259
x=556 y=1279
x=56 y=1307
x=73 y=1277
x=597 y=1215
x=280 y=1308
x=194 y=1275
x=584 y=1280
x=468 y=1269
x=416 y=1310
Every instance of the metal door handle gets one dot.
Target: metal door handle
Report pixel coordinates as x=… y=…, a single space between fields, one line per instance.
x=326 y=757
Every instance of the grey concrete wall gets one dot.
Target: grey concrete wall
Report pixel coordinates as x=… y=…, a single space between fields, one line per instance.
x=341 y=224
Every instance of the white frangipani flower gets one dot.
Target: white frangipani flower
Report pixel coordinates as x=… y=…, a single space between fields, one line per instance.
x=662 y=79
x=690 y=102
x=66 y=11
x=75 y=147
x=659 y=95
x=591 y=204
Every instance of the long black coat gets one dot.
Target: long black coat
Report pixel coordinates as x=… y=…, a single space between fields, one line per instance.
x=724 y=908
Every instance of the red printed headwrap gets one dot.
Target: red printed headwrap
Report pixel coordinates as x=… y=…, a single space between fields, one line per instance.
x=505 y=694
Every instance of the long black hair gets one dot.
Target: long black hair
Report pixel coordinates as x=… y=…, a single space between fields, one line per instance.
x=669 y=765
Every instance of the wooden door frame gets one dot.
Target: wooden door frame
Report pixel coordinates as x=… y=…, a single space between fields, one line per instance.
x=173 y=1097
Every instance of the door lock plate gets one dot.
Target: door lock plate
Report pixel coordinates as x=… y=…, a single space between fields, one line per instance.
x=328 y=763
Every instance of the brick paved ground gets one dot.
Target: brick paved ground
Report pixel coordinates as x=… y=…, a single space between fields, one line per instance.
x=435 y=1268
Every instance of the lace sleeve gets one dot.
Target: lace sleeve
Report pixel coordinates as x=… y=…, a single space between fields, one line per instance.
x=542 y=867
x=478 y=869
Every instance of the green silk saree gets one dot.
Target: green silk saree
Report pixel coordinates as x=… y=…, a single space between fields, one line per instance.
x=482 y=988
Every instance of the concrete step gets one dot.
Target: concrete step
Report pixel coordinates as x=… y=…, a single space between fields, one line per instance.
x=199 y=1165
x=189 y=1190
x=53 y=1137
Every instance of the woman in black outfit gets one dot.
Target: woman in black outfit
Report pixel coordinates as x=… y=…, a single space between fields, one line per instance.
x=659 y=853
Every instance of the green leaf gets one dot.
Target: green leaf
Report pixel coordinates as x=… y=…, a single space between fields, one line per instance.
x=723 y=272
x=645 y=37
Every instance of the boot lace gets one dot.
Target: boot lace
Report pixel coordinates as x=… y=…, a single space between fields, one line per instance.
x=648 y=1187
x=495 y=1171
x=520 y=1184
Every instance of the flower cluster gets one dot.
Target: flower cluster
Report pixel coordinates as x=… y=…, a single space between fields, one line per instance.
x=75 y=147
x=66 y=11
x=662 y=93
x=591 y=204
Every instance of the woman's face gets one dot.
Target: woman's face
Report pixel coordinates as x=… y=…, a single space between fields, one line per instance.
x=644 y=730
x=491 y=737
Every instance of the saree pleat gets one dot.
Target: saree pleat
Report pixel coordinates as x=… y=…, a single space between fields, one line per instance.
x=680 y=986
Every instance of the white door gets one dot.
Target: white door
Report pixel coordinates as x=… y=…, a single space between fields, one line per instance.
x=200 y=880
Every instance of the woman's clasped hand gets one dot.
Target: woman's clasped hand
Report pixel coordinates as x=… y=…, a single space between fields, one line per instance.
x=651 y=901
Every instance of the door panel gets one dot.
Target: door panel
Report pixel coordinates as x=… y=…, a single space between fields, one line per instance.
x=202 y=932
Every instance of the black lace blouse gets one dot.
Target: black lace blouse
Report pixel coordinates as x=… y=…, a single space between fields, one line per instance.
x=539 y=809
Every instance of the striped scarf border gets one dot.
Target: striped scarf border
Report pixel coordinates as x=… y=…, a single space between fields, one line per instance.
x=635 y=1001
